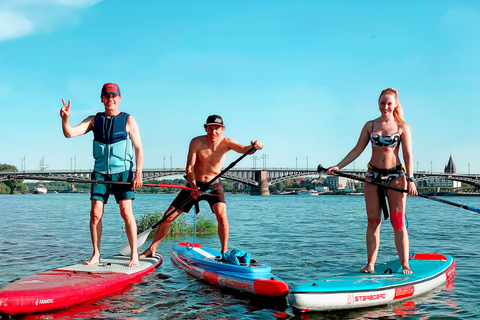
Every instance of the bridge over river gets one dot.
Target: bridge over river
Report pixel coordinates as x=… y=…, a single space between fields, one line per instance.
x=258 y=179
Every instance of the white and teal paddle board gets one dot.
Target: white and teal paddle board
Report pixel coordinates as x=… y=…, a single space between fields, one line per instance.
x=387 y=285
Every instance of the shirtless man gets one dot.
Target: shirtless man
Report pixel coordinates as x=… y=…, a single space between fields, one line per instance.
x=204 y=161
x=114 y=133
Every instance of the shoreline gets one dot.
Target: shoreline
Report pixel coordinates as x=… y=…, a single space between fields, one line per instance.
x=430 y=194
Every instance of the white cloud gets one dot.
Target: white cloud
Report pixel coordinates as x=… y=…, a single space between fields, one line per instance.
x=19 y=18
x=14 y=25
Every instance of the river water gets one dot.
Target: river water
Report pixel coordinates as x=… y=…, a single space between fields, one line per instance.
x=302 y=238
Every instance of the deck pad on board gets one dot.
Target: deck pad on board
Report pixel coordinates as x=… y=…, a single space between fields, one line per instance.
x=112 y=264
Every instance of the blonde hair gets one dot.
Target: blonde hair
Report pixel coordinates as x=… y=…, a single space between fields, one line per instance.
x=398 y=112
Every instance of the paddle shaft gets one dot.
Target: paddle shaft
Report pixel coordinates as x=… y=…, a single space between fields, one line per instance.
x=76 y=180
x=203 y=188
x=351 y=176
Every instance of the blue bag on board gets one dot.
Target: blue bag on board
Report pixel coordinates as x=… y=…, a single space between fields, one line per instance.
x=236 y=257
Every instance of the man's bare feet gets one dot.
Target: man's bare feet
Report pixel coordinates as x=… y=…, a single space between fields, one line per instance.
x=368 y=269
x=134 y=262
x=406 y=270
x=147 y=253
x=92 y=260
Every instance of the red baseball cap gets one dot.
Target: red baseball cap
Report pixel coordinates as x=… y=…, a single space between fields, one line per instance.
x=110 y=88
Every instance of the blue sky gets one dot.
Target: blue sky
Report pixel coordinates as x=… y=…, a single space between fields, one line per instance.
x=301 y=76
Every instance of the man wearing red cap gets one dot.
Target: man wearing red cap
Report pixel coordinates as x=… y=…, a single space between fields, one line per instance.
x=114 y=134
x=204 y=161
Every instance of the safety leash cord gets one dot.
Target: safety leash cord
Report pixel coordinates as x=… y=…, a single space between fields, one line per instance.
x=194 y=229
x=197 y=210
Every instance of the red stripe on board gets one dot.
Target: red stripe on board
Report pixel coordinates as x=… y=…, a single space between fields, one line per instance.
x=404 y=292
x=210 y=277
x=270 y=287
x=186 y=244
x=429 y=256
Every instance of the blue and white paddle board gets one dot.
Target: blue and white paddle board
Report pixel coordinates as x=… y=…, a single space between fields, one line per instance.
x=204 y=263
x=387 y=285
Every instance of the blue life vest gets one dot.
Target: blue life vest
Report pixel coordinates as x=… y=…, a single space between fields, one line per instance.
x=112 y=147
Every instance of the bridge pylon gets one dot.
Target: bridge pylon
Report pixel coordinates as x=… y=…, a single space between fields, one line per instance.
x=261 y=190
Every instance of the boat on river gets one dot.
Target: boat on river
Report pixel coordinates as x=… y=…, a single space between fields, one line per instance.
x=40 y=189
x=310 y=192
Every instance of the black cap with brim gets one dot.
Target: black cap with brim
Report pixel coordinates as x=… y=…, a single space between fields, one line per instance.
x=214 y=120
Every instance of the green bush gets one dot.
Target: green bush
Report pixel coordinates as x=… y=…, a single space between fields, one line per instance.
x=179 y=226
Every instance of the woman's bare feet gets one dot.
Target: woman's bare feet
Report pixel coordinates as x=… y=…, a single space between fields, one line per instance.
x=406 y=270
x=368 y=269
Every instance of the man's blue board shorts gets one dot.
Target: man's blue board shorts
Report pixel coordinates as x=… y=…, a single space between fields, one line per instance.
x=121 y=192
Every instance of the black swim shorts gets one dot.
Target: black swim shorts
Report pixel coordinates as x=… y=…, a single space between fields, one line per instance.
x=216 y=195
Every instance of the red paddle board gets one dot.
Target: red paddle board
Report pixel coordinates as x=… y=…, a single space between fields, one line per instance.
x=71 y=285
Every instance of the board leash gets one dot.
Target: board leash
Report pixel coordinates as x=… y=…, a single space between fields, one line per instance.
x=194 y=229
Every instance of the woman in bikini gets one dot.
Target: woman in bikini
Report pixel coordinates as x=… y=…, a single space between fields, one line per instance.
x=386 y=133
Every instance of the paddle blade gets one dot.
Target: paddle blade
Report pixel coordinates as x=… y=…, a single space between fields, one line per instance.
x=141 y=238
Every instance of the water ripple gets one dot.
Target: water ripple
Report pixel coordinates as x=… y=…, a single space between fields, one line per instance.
x=301 y=238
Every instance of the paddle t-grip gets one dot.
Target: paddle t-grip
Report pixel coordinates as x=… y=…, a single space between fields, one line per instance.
x=320 y=168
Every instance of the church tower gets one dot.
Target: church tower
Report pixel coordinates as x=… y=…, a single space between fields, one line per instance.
x=450 y=167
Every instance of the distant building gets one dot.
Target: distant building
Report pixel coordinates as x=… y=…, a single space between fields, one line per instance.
x=320 y=187
x=299 y=180
x=450 y=166
x=440 y=183
x=340 y=183
x=238 y=186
